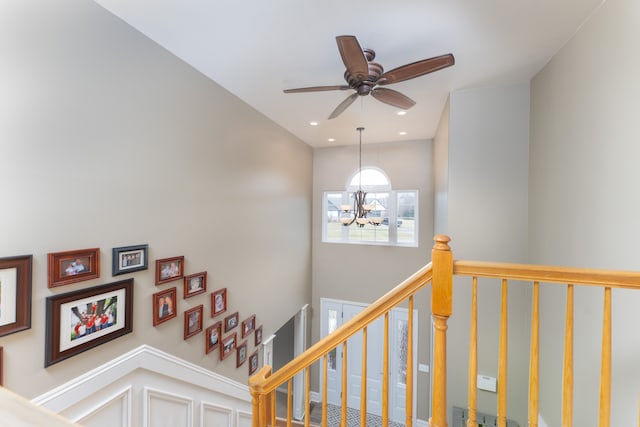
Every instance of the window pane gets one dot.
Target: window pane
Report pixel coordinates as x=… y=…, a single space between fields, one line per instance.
x=333 y=229
x=403 y=334
x=407 y=206
x=332 y=324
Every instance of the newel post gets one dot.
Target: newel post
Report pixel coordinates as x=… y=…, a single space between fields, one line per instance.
x=441 y=308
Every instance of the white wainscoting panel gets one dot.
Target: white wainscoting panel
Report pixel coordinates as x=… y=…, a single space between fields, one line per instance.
x=150 y=388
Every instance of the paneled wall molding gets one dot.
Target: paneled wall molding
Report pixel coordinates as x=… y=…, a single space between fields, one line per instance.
x=141 y=358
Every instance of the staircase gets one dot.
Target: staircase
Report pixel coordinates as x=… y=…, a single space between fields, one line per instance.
x=440 y=275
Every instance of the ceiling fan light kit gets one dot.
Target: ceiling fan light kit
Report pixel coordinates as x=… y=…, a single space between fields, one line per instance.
x=364 y=76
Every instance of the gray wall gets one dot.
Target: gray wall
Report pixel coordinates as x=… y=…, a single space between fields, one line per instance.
x=486 y=218
x=363 y=273
x=108 y=140
x=584 y=204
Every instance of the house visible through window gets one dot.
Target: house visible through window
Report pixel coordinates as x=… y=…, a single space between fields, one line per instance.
x=398 y=208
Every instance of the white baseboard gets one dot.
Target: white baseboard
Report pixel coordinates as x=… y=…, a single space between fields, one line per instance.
x=315 y=397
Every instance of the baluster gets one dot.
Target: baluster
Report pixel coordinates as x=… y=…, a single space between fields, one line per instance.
x=605 y=372
x=473 y=356
x=534 y=358
x=343 y=414
x=289 y=405
x=567 y=375
x=262 y=414
x=363 y=384
x=409 y=370
x=255 y=409
x=385 y=373
x=273 y=407
x=325 y=364
x=307 y=397
x=502 y=363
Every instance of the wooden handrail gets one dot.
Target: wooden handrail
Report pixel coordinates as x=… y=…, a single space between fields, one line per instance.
x=261 y=384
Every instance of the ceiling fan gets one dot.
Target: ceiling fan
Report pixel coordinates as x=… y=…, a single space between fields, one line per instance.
x=366 y=76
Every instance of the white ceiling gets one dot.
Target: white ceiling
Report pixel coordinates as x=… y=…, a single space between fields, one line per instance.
x=257 y=48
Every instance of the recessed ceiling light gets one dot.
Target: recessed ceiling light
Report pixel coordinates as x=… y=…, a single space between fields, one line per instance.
x=402 y=132
x=401 y=113
x=331 y=139
x=313 y=123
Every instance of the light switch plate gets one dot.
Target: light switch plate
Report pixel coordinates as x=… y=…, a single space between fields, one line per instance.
x=487 y=383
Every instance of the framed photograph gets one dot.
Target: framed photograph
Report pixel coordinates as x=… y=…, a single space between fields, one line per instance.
x=193 y=321
x=84 y=319
x=212 y=335
x=230 y=322
x=258 y=336
x=164 y=305
x=73 y=266
x=15 y=294
x=241 y=354
x=248 y=325
x=169 y=269
x=128 y=259
x=227 y=346
x=218 y=302
x=1 y=370
x=195 y=284
x=253 y=362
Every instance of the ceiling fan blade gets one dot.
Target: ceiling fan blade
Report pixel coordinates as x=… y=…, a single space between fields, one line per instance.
x=353 y=56
x=416 y=69
x=343 y=105
x=393 y=97
x=316 y=89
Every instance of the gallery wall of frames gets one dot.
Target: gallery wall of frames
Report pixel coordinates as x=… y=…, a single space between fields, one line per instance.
x=86 y=318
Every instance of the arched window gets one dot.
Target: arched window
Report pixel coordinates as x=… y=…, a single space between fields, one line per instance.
x=396 y=210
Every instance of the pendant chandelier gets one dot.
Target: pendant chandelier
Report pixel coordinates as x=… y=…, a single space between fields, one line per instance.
x=359 y=211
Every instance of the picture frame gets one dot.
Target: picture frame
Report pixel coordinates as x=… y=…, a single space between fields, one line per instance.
x=15 y=294
x=1 y=367
x=213 y=335
x=253 y=362
x=227 y=345
x=80 y=320
x=73 y=266
x=193 y=321
x=218 y=302
x=241 y=354
x=127 y=259
x=258 y=336
x=195 y=284
x=169 y=269
x=164 y=305
x=230 y=322
x=248 y=325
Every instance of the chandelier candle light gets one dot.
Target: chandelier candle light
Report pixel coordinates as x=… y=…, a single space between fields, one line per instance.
x=359 y=211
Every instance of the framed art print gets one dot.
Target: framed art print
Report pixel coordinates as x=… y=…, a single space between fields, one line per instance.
x=164 y=305
x=80 y=320
x=218 y=302
x=253 y=362
x=73 y=266
x=195 y=284
x=212 y=336
x=193 y=321
x=227 y=346
x=231 y=321
x=169 y=269
x=241 y=354
x=258 y=336
x=248 y=325
x=15 y=294
x=128 y=259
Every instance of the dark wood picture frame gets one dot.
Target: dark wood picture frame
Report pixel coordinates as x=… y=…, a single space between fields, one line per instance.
x=241 y=354
x=15 y=294
x=164 y=305
x=230 y=322
x=227 y=345
x=169 y=269
x=84 y=312
x=258 y=336
x=193 y=321
x=213 y=335
x=218 y=302
x=248 y=325
x=127 y=259
x=195 y=284
x=253 y=362
x=1 y=367
x=73 y=266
